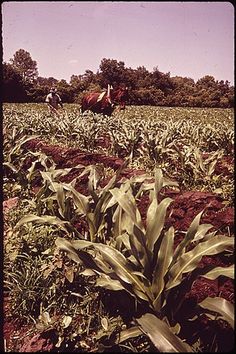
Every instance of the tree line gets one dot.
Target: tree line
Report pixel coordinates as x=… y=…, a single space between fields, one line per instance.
x=22 y=83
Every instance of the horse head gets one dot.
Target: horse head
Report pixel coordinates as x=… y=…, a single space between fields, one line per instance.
x=120 y=96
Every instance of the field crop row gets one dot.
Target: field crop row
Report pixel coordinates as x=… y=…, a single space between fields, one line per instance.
x=193 y=146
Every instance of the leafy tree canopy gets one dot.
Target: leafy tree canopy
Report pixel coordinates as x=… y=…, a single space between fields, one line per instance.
x=21 y=83
x=25 y=65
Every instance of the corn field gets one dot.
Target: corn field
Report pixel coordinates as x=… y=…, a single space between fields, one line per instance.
x=93 y=252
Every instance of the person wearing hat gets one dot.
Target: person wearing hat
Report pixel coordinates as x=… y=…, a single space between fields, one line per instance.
x=53 y=101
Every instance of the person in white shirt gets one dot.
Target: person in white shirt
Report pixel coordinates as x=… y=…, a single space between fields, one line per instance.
x=53 y=101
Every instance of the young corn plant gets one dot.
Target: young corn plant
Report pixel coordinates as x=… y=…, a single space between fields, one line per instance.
x=159 y=144
x=87 y=134
x=60 y=203
x=14 y=160
x=143 y=262
x=125 y=141
x=194 y=169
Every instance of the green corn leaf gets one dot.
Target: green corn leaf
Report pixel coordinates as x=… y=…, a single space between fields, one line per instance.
x=32 y=171
x=98 y=263
x=101 y=209
x=122 y=240
x=207 y=236
x=192 y=231
x=80 y=257
x=92 y=227
x=199 y=159
x=47 y=176
x=155 y=220
x=139 y=178
x=103 y=203
x=108 y=261
x=117 y=262
x=24 y=139
x=81 y=201
x=87 y=272
x=158 y=184
x=94 y=178
x=221 y=306
x=220 y=271
x=201 y=232
x=21 y=142
x=140 y=251
x=111 y=184
x=161 y=335
x=146 y=186
x=94 y=261
x=122 y=268
x=57 y=173
x=46 y=219
x=60 y=196
x=128 y=334
x=71 y=246
x=54 y=186
x=119 y=222
x=140 y=294
x=164 y=259
x=211 y=167
x=10 y=166
x=106 y=282
x=184 y=287
x=133 y=202
x=189 y=261
x=126 y=204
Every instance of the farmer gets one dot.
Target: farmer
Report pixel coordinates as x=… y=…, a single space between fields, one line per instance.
x=53 y=101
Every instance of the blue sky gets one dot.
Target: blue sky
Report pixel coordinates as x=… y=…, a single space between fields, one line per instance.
x=189 y=39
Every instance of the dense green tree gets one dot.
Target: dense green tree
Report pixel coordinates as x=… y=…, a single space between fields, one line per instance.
x=37 y=93
x=130 y=78
x=143 y=77
x=25 y=65
x=89 y=78
x=13 y=89
x=66 y=91
x=162 y=81
x=230 y=96
x=77 y=82
x=81 y=84
x=207 y=81
x=78 y=86
x=213 y=93
x=111 y=72
x=148 y=96
x=182 y=93
x=47 y=82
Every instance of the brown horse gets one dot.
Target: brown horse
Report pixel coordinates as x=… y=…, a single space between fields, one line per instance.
x=105 y=102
